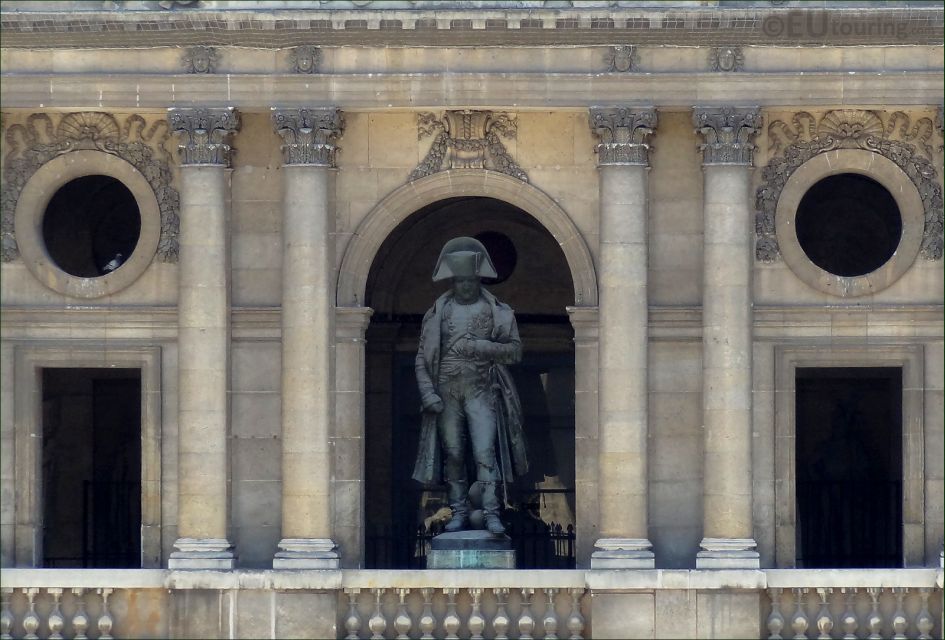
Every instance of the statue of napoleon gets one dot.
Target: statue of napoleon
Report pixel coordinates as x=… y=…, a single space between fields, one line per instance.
x=467 y=339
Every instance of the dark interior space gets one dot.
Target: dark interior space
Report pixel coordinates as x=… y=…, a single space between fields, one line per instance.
x=92 y=468
x=91 y=226
x=849 y=467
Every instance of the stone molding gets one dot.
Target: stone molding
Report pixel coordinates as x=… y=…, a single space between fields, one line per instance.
x=308 y=135
x=726 y=59
x=203 y=134
x=899 y=139
x=202 y=554
x=467 y=140
x=39 y=140
x=621 y=58
x=728 y=553
x=304 y=59
x=306 y=553
x=199 y=60
x=728 y=133
x=623 y=133
x=623 y=553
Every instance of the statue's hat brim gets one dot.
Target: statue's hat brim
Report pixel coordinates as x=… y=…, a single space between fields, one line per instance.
x=480 y=266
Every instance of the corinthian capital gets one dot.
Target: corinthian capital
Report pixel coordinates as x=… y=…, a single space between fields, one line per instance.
x=308 y=135
x=623 y=134
x=728 y=133
x=203 y=134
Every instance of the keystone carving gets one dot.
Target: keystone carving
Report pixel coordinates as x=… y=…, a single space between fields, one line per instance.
x=623 y=133
x=41 y=139
x=203 y=134
x=308 y=135
x=898 y=139
x=199 y=60
x=728 y=133
x=621 y=58
x=726 y=59
x=467 y=140
x=304 y=59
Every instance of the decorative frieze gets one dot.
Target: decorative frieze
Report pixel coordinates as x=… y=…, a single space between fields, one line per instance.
x=898 y=138
x=726 y=59
x=623 y=133
x=203 y=134
x=621 y=58
x=308 y=135
x=45 y=136
x=728 y=133
x=467 y=140
x=304 y=59
x=199 y=60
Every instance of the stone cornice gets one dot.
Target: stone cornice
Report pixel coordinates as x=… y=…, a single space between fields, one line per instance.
x=728 y=133
x=203 y=134
x=308 y=135
x=624 y=134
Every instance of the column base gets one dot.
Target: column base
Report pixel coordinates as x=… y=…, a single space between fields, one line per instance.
x=728 y=553
x=306 y=553
x=623 y=553
x=202 y=553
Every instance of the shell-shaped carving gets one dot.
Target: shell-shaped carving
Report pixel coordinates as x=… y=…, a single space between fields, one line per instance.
x=89 y=125
x=851 y=123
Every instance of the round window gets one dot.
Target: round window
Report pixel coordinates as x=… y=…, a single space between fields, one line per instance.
x=91 y=226
x=848 y=225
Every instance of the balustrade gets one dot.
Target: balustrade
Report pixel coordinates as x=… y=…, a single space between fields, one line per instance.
x=55 y=613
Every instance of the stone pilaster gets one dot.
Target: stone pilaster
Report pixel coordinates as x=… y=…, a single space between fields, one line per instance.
x=203 y=339
x=727 y=335
x=622 y=156
x=307 y=333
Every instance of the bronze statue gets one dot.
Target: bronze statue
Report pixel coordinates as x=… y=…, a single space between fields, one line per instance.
x=467 y=339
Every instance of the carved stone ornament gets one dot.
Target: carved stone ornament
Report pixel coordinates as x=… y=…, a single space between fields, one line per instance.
x=726 y=59
x=304 y=59
x=728 y=133
x=41 y=139
x=805 y=137
x=623 y=133
x=199 y=60
x=203 y=134
x=621 y=58
x=467 y=140
x=308 y=135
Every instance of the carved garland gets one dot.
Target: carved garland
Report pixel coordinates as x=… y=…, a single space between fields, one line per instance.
x=38 y=141
x=849 y=129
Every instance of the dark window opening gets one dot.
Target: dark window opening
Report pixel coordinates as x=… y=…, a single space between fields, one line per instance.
x=91 y=226
x=849 y=467
x=92 y=468
x=848 y=225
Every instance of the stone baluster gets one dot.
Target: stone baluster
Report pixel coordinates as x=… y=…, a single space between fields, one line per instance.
x=824 y=620
x=353 y=619
x=80 y=620
x=923 y=620
x=549 y=620
x=6 y=614
x=526 y=622
x=849 y=620
x=427 y=619
x=451 y=621
x=307 y=332
x=501 y=621
x=377 y=623
x=55 y=621
x=623 y=161
x=403 y=623
x=727 y=335
x=775 y=622
x=31 y=620
x=105 y=620
x=575 y=619
x=874 y=622
x=203 y=320
x=899 y=621
x=476 y=622
x=800 y=621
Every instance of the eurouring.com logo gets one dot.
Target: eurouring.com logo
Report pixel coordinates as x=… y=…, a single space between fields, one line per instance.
x=823 y=24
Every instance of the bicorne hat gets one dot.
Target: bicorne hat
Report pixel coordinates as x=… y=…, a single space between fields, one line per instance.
x=463 y=257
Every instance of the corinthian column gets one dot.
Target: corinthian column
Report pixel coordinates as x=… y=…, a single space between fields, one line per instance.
x=307 y=331
x=622 y=159
x=726 y=335
x=203 y=319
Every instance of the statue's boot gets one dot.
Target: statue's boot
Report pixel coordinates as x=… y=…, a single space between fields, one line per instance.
x=490 y=508
x=458 y=494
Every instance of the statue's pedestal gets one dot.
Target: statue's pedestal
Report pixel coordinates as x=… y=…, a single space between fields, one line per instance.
x=474 y=549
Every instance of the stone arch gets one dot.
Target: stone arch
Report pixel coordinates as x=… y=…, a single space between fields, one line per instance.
x=404 y=201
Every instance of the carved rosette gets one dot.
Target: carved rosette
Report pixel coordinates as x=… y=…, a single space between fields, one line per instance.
x=728 y=133
x=805 y=137
x=308 y=135
x=40 y=140
x=624 y=133
x=203 y=134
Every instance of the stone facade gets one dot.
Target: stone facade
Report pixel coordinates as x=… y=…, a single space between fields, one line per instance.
x=277 y=168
